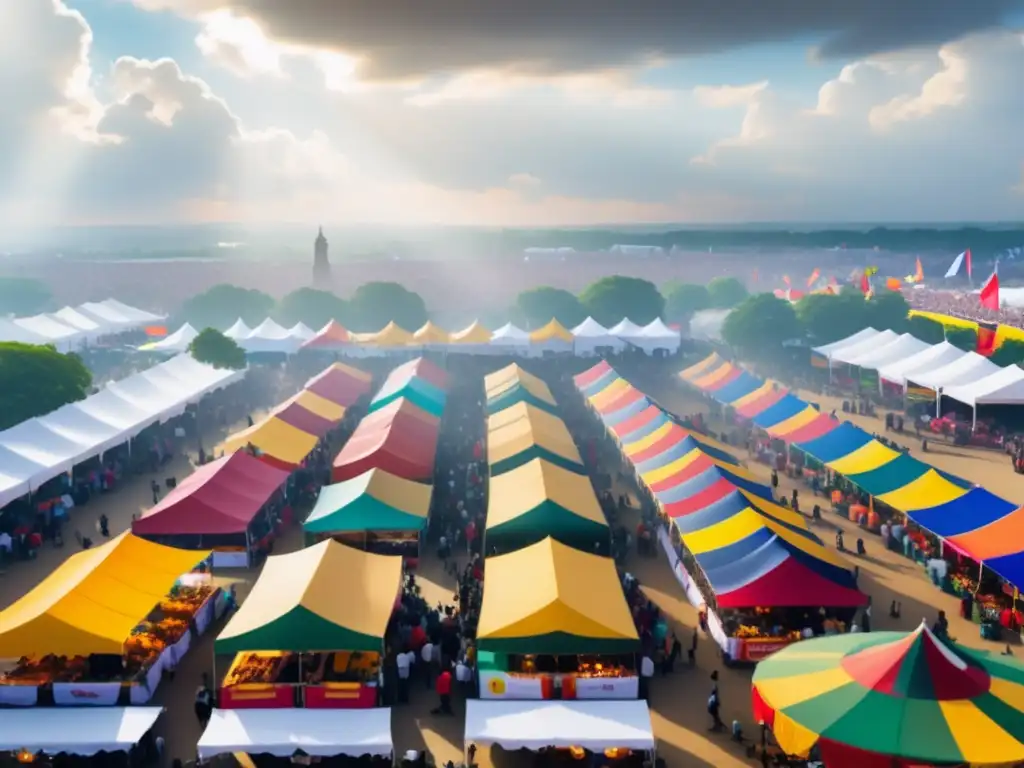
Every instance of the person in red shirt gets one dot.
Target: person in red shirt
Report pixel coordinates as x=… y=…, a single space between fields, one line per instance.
x=444 y=692
x=470 y=536
x=417 y=638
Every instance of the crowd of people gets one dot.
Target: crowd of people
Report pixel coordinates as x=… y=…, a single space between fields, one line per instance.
x=963 y=304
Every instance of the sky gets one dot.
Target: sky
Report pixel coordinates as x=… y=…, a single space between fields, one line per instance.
x=493 y=113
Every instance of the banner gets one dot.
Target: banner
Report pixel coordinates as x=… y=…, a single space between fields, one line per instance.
x=18 y=695
x=758 y=649
x=86 y=694
x=607 y=687
x=500 y=685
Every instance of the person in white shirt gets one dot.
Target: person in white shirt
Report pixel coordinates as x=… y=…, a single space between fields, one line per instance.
x=403 y=663
x=427 y=656
x=646 y=673
x=463 y=676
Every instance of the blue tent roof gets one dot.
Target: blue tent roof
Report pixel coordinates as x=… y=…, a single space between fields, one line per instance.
x=1010 y=567
x=707 y=478
x=973 y=510
x=613 y=418
x=786 y=408
x=600 y=382
x=841 y=441
x=656 y=423
x=739 y=387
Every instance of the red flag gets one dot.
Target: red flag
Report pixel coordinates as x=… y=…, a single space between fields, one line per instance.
x=865 y=284
x=990 y=292
x=986 y=338
x=967 y=258
x=813 y=278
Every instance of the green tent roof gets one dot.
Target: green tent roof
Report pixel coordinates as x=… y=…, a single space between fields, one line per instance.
x=374 y=501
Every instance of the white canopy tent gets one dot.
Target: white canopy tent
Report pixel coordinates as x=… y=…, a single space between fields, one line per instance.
x=239 y=330
x=75 y=730
x=133 y=314
x=929 y=359
x=511 y=339
x=626 y=329
x=63 y=336
x=283 y=732
x=965 y=370
x=534 y=725
x=590 y=336
x=40 y=449
x=11 y=331
x=176 y=342
x=1006 y=387
x=835 y=346
x=117 y=317
x=92 y=328
x=901 y=347
x=862 y=347
x=302 y=332
x=269 y=336
x=656 y=335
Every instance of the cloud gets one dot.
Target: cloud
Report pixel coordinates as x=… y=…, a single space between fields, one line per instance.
x=726 y=96
x=402 y=39
x=922 y=135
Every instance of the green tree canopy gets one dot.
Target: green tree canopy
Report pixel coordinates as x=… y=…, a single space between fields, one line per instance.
x=536 y=307
x=726 y=292
x=760 y=325
x=313 y=307
x=1010 y=352
x=220 y=306
x=888 y=311
x=374 y=305
x=22 y=296
x=827 y=318
x=214 y=348
x=683 y=300
x=36 y=380
x=926 y=329
x=963 y=338
x=612 y=298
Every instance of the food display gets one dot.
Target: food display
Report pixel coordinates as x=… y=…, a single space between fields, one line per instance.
x=751 y=632
x=262 y=667
x=963 y=584
x=186 y=601
x=588 y=669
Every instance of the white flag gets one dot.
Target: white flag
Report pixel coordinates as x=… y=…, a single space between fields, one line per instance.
x=954 y=268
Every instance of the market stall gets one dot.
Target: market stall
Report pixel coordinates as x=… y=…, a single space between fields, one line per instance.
x=314 y=732
x=228 y=505
x=408 y=385
x=553 y=338
x=340 y=384
x=539 y=499
x=333 y=337
x=400 y=438
x=512 y=385
x=311 y=632
x=522 y=433
x=376 y=511
x=543 y=635
x=79 y=731
x=891 y=698
x=102 y=628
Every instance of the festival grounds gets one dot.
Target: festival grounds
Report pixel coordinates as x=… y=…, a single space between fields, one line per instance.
x=678 y=700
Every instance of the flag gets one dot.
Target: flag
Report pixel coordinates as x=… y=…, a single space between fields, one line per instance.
x=967 y=255
x=919 y=274
x=785 y=279
x=986 y=338
x=990 y=291
x=814 y=277
x=865 y=284
x=954 y=268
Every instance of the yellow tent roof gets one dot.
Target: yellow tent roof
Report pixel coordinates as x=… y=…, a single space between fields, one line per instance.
x=276 y=439
x=635 y=447
x=355 y=373
x=552 y=588
x=391 y=335
x=431 y=334
x=94 y=599
x=318 y=594
x=321 y=406
x=698 y=368
x=525 y=488
x=472 y=334
x=520 y=435
x=612 y=392
x=553 y=330
x=512 y=375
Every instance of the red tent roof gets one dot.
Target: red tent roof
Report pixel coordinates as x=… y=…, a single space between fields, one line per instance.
x=673 y=436
x=792 y=584
x=633 y=423
x=592 y=374
x=221 y=497
x=763 y=403
x=331 y=336
x=821 y=426
x=294 y=414
x=627 y=397
x=403 y=444
x=340 y=384
x=422 y=368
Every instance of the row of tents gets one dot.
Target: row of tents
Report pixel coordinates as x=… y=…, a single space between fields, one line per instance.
x=911 y=364
x=586 y=338
x=752 y=552
x=980 y=524
x=72 y=327
x=40 y=449
x=545 y=523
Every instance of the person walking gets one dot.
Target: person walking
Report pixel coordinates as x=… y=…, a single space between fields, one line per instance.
x=714 y=704
x=444 y=693
x=204 y=702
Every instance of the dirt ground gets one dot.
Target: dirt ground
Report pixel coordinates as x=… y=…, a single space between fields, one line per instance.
x=677 y=701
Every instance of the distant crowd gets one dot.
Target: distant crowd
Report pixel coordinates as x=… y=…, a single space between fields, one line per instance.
x=963 y=304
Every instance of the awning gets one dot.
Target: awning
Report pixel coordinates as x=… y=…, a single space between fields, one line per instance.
x=341 y=384
x=553 y=331
x=75 y=730
x=94 y=599
x=400 y=438
x=284 y=732
x=550 y=598
x=931 y=358
x=327 y=597
x=522 y=433
x=275 y=438
x=373 y=501
x=849 y=341
x=534 y=725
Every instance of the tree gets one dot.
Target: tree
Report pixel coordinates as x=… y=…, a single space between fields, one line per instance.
x=374 y=305
x=36 y=380
x=22 y=296
x=963 y=338
x=312 y=307
x=761 y=324
x=926 y=329
x=827 y=317
x=222 y=305
x=613 y=298
x=726 y=292
x=683 y=300
x=536 y=307
x=888 y=312
x=214 y=348
x=1010 y=352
